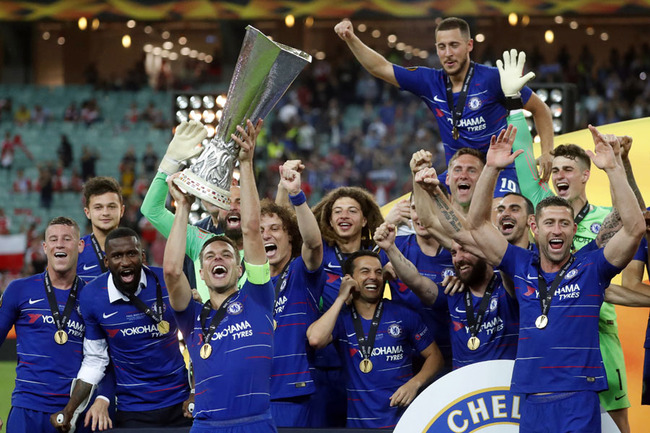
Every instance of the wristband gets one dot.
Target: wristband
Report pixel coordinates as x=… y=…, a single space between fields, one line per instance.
x=297 y=199
x=514 y=103
x=258 y=274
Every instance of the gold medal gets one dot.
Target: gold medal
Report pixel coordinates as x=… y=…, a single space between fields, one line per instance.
x=61 y=337
x=275 y=324
x=541 y=321
x=163 y=327
x=206 y=351
x=473 y=343
x=365 y=366
x=455 y=134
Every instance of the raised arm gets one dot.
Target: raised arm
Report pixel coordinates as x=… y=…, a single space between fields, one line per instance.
x=622 y=246
x=372 y=61
x=423 y=203
x=488 y=239
x=312 y=242
x=406 y=271
x=254 y=252
x=544 y=125
x=533 y=186
x=319 y=333
x=626 y=145
x=180 y=292
x=281 y=195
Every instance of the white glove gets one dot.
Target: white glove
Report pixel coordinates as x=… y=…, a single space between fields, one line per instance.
x=510 y=70
x=185 y=145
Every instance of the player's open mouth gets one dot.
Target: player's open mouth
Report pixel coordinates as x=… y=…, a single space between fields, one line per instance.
x=127 y=275
x=507 y=225
x=270 y=249
x=556 y=244
x=60 y=255
x=344 y=226
x=233 y=220
x=371 y=287
x=562 y=187
x=219 y=271
x=464 y=186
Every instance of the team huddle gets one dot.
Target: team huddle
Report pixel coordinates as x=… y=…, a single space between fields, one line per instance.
x=281 y=307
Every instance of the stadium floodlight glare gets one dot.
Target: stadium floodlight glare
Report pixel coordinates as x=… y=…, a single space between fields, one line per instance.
x=203 y=107
x=561 y=99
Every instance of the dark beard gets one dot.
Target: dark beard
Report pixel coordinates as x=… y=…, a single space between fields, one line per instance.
x=126 y=289
x=477 y=275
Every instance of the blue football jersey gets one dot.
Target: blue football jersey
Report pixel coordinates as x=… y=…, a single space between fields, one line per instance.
x=295 y=309
x=45 y=369
x=436 y=268
x=233 y=382
x=498 y=333
x=484 y=113
x=565 y=355
x=89 y=266
x=149 y=369
x=400 y=335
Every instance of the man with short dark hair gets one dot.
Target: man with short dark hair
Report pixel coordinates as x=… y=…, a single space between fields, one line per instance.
x=129 y=319
x=49 y=331
x=465 y=97
x=104 y=208
x=377 y=339
x=230 y=336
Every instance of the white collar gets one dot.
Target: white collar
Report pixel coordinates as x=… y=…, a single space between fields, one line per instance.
x=116 y=295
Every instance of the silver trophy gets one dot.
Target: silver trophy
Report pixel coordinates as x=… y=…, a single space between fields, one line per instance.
x=264 y=71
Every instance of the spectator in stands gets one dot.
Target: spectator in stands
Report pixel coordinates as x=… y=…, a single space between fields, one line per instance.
x=149 y=161
x=71 y=113
x=90 y=112
x=65 y=151
x=88 y=160
x=22 y=115
x=22 y=184
x=40 y=115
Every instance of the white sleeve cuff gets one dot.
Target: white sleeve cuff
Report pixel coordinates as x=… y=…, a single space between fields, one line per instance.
x=94 y=361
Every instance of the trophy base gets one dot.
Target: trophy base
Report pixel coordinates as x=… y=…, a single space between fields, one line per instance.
x=192 y=184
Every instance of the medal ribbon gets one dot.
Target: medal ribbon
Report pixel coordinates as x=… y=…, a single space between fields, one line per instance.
x=216 y=319
x=475 y=321
x=281 y=282
x=366 y=344
x=546 y=296
x=98 y=253
x=457 y=111
x=582 y=214
x=60 y=320
x=156 y=316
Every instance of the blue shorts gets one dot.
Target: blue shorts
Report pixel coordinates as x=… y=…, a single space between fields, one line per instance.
x=506 y=183
x=23 y=420
x=576 y=412
x=291 y=412
x=329 y=403
x=252 y=424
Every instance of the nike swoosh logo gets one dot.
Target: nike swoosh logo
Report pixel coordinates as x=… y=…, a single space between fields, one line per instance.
x=106 y=316
x=460 y=311
x=435 y=98
x=330 y=265
x=618 y=398
x=89 y=267
x=32 y=302
x=529 y=277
